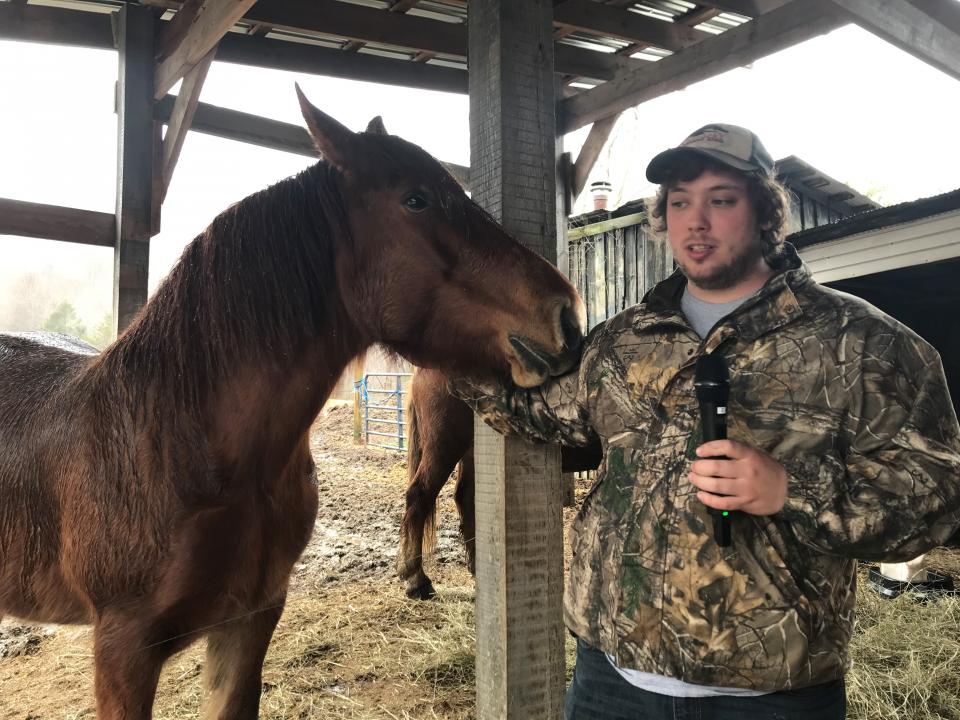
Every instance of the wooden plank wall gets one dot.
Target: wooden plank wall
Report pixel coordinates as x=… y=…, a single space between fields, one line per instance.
x=614 y=269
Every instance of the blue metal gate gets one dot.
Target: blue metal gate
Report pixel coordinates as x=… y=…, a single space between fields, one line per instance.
x=382 y=401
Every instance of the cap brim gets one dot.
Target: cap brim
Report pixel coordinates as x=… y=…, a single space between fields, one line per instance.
x=659 y=168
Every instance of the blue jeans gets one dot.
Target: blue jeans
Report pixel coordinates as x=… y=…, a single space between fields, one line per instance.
x=598 y=692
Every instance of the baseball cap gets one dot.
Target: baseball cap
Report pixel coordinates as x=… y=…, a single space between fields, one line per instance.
x=729 y=145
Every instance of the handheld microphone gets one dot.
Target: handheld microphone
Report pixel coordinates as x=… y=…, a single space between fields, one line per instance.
x=712 y=382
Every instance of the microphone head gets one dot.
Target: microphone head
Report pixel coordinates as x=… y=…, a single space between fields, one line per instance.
x=712 y=380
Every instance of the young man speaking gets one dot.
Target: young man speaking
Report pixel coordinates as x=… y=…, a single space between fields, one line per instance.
x=843 y=445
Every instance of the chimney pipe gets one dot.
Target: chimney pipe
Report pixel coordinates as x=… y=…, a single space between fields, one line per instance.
x=600 y=190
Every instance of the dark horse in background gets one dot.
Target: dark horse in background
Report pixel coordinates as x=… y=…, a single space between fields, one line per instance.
x=162 y=489
x=440 y=428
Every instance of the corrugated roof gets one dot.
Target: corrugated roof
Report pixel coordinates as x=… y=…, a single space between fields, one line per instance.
x=880 y=218
x=803 y=177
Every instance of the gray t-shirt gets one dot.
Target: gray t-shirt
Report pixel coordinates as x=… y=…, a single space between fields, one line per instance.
x=702 y=316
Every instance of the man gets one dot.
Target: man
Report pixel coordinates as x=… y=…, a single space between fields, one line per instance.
x=843 y=445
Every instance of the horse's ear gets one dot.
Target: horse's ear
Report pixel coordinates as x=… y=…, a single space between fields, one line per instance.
x=376 y=126
x=334 y=141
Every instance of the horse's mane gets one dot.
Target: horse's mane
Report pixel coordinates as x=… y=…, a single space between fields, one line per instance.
x=257 y=282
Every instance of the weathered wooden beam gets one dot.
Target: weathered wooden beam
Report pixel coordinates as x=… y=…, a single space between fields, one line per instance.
x=690 y=19
x=241 y=126
x=909 y=28
x=946 y=13
x=52 y=222
x=408 y=32
x=747 y=8
x=415 y=34
x=366 y=24
x=256 y=130
x=590 y=151
x=299 y=57
x=620 y=23
x=180 y=120
x=400 y=6
x=41 y=24
x=35 y=23
x=194 y=31
x=520 y=638
x=793 y=23
x=698 y=15
x=136 y=136
x=569 y=60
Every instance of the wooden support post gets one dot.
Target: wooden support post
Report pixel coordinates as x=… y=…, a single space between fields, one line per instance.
x=136 y=152
x=520 y=637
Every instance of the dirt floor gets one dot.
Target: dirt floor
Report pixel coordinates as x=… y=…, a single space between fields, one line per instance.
x=351 y=645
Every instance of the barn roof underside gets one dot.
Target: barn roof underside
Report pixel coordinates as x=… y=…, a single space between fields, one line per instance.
x=610 y=54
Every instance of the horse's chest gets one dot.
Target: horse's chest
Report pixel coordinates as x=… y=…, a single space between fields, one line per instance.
x=241 y=554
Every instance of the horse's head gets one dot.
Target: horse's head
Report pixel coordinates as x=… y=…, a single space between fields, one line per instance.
x=434 y=277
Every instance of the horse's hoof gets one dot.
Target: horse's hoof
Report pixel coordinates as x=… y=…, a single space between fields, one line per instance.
x=423 y=591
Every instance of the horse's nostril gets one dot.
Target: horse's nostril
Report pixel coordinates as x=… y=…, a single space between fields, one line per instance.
x=570 y=326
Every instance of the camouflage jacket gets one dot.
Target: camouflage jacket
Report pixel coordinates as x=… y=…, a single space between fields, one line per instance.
x=852 y=403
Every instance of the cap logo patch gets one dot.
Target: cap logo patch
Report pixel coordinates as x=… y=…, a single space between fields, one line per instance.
x=706 y=134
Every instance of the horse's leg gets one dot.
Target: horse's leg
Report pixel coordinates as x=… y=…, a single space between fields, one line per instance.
x=417 y=521
x=234 y=665
x=128 y=656
x=466 y=505
x=441 y=432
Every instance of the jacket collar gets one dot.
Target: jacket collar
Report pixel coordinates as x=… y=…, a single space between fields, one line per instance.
x=771 y=307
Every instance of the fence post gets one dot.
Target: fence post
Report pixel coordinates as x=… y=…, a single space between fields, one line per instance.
x=358 y=364
x=399 y=412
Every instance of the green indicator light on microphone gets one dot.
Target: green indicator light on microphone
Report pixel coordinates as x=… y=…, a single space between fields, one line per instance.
x=726 y=513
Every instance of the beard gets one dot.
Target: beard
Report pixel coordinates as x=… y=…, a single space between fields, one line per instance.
x=726 y=276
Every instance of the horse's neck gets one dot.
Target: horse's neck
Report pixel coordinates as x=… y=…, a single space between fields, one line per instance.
x=248 y=334
x=258 y=414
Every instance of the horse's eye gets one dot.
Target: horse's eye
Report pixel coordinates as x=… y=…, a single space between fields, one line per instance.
x=416 y=203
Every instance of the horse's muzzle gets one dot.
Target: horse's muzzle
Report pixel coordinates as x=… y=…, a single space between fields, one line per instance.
x=545 y=364
x=537 y=362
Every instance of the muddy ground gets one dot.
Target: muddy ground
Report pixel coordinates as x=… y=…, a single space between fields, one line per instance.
x=361 y=505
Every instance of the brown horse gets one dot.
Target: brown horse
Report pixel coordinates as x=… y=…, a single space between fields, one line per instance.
x=440 y=430
x=163 y=489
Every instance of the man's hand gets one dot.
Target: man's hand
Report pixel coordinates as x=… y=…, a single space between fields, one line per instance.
x=750 y=478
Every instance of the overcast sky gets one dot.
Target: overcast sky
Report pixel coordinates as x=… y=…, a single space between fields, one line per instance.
x=853 y=106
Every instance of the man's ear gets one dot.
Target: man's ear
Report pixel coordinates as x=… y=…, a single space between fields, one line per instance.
x=335 y=142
